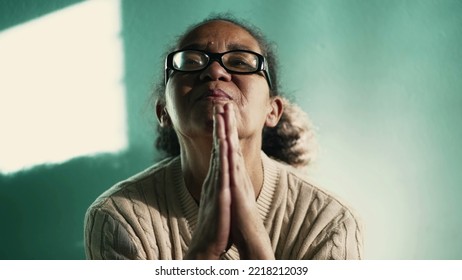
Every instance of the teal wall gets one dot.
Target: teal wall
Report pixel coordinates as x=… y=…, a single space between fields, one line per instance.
x=381 y=80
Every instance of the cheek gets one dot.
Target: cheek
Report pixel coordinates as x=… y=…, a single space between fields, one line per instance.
x=254 y=102
x=255 y=92
x=173 y=103
x=182 y=82
x=169 y=97
x=175 y=94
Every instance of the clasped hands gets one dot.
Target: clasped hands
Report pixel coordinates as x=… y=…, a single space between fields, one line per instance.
x=228 y=212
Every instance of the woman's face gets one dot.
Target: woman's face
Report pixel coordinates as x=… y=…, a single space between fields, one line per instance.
x=190 y=97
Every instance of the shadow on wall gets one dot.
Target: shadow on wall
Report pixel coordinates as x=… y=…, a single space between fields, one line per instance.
x=14 y=12
x=42 y=210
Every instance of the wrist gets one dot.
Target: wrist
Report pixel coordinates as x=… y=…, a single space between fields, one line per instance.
x=256 y=252
x=202 y=254
x=255 y=246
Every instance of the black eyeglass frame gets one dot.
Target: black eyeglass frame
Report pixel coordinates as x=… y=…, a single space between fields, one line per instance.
x=262 y=64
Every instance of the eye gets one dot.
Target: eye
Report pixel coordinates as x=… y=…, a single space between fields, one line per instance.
x=189 y=61
x=238 y=62
x=241 y=61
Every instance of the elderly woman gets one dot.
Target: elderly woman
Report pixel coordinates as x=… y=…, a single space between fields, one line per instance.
x=224 y=192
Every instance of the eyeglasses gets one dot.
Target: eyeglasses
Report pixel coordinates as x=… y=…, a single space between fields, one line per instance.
x=235 y=62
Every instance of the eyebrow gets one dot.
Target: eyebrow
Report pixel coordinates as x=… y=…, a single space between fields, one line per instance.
x=237 y=46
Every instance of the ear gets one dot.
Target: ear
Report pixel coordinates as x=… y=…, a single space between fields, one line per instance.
x=275 y=111
x=162 y=114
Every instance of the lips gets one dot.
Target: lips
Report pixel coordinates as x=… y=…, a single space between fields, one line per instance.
x=216 y=94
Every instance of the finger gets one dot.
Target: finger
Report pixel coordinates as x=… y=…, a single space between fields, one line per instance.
x=217 y=135
x=217 y=111
x=235 y=159
x=223 y=149
x=224 y=195
x=222 y=145
x=231 y=127
x=214 y=175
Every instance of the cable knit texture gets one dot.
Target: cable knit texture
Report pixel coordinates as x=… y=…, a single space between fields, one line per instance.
x=152 y=216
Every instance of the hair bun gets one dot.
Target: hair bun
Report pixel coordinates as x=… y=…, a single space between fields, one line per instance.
x=292 y=140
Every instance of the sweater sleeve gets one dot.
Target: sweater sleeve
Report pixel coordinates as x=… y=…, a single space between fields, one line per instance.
x=340 y=240
x=107 y=238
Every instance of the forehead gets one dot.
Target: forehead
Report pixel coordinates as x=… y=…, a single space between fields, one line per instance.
x=221 y=35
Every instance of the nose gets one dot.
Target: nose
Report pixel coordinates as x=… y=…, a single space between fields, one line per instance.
x=215 y=72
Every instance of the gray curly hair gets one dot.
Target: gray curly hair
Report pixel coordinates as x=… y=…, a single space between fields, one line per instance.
x=291 y=141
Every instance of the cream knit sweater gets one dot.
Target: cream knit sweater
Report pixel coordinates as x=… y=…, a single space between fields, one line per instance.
x=152 y=216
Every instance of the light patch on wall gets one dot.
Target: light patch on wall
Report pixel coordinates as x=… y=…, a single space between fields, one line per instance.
x=61 y=89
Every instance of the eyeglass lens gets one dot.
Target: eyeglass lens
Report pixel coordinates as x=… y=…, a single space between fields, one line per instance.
x=237 y=61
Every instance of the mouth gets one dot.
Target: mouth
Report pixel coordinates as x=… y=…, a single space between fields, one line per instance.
x=216 y=94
